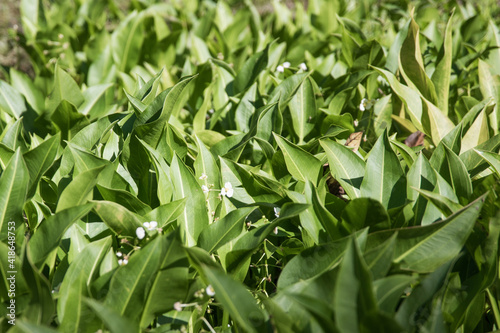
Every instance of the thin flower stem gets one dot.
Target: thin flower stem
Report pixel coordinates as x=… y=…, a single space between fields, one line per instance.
x=208 y=324
x=494 y=307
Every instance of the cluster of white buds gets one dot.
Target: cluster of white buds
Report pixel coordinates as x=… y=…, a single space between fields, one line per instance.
x=367 y=104
x=147 y=226
x=122 y=261
x=286 y=64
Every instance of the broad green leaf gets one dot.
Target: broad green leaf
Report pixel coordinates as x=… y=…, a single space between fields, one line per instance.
x=477 y=134
x=365 y=212
x=117 y=218
x=492 y=159
x=194 y=218
x=24 y=84
x=166 y=213
x=441 y=76
x=48 y=235
x=425 y=248
x=124 y=198
x=388 y=291
x=384 y=179
x=345 y=166
x=411 y=64
x=302 y=165
x=135 y=278
x=65 y=89
x=39 y=160
x=126 y=41
x=410 y=98
x=454 y=172
x=170 y=284
x=11 y=101
x=93 y=100
x=14 y=183
x=422 y=294
x=235 y=299
x=445 y=205
x=317 y=259
x=327 y=220
x=284 y=92
x=354 y=301
x=79 y=190
x=303 y=110
x=249 y=72
x=224 y=230
x=84 y=161
x=71 y=309
x=208 y=173
x=435 y=122
x=115 y=322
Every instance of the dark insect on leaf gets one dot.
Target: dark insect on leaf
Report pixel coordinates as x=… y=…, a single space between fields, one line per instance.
x=354 y=140
x=415 y=139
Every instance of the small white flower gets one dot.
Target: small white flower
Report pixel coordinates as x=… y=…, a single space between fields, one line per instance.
x=286 y=64
x=227 y=190
x=211 y=111
x=61 y=36
x=275 y=230
x=356 y=123
x=277 y=211
x=140 y=232
x=280 y=69
x=303 y=67
x=178 y=306
x=150 y=225
x=210 y=290
x=203 y=176
x=204 y=188
x=119 y=254
x=122 y=262
x=366 y=104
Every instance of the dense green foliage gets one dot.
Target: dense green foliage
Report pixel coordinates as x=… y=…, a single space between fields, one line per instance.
x=210 y=166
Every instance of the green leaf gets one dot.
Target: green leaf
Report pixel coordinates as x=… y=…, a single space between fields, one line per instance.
x=236 y=300
x=50 y=232
x=384 y=179
x=117 y=218
x=412 y=64
x=124 y=198
x=302 y=165
x=365 y=212
x=11 y=101
x=14 y=184
x=354 y=301
x=388 y=291
x=126 y=41
x=303 y=110
x=435 y=122
x=425 y=248
x=65 y=89
x=249 y=72
x=134 y=278
x=166 y=213
x=71 y=310
x=115 y=322
x=410 y=98
x=193 y=220
x=317 y=259
x=422 y=294
x=224 y=230
x=345 y=166
x=79 y=190
x=491 y=158
x=454 y=172
x=441 y=76
x=39 y=160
